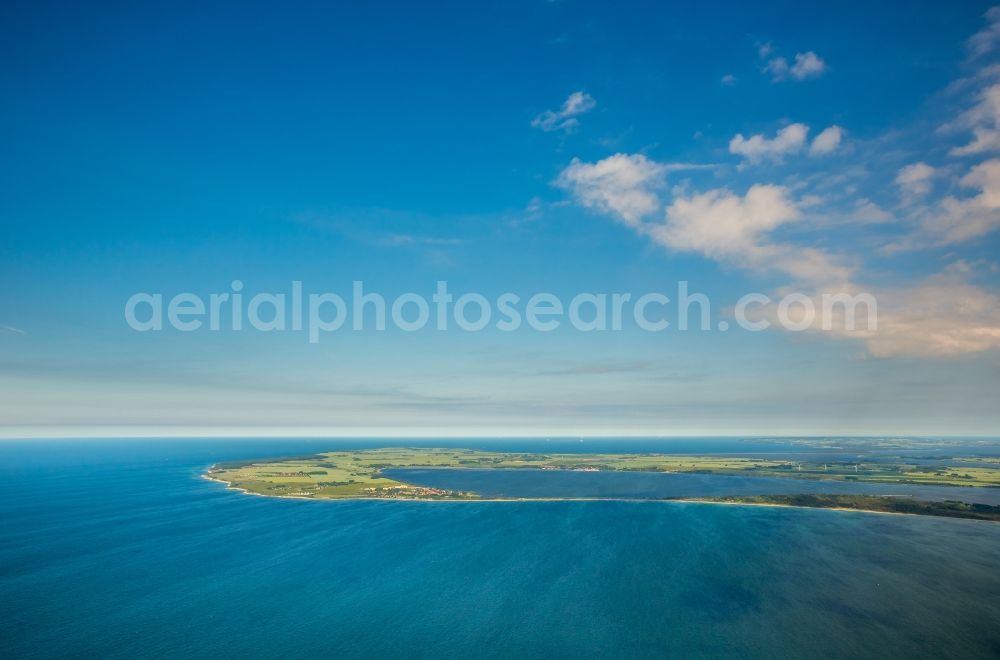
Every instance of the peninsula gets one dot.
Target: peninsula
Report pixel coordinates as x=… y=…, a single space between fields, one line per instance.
x=358 y=474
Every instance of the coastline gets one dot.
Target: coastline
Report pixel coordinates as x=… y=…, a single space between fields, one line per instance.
x=814 y=508
x=229 y=486
x=831 y=478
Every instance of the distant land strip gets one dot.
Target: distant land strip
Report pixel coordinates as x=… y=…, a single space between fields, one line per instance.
x=358 y=474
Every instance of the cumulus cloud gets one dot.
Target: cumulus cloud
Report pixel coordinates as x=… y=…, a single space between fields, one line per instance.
x=789 y=140
x=623 y=185
x=964 y=219
x=866 y=211
x=943 y=316
x=778 y=68
x=767 y=228
x=565 y=118
x=756 y=148
x=983 y=120
x=915 y=179
x=806 y=65
x=955 y=220
x=827 y=141
x=719 y=224
x=736 y=229
x=986 y=40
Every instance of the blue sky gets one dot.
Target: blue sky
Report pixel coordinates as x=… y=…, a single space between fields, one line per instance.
x=518 y=146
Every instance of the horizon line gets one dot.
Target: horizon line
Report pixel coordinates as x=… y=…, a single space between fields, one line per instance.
x=355 y=433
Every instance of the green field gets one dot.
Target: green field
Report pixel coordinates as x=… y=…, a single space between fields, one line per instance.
x=357 y=474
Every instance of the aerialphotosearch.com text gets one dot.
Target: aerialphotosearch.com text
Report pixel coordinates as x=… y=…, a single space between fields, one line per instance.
x=319 y=314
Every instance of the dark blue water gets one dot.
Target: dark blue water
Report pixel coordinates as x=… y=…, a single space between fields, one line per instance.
x=121 y=550
x=655 y=485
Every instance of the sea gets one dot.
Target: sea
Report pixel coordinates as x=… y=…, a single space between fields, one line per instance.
x=119 y=549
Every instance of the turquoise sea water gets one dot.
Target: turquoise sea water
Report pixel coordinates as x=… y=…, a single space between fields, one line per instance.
x=120 y=550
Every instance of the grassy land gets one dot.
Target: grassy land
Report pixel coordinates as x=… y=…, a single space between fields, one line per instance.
x=349 y=474
x=354 y=474
x=878 y=504
x=868 y=444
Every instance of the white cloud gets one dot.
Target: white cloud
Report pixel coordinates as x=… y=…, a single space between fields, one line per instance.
x=721 y=223
x=915 y=179
x=955 y=220
x=964 y=219
x=942 y=317
x=756 y=148
x=772 y=228
x=826 y=142
x=788 y=140
x=623 y=185
x=736 y=229
x=968 y=218
x=939 y=318
x=983 y=119
x=986 y=178
x=565 y=118
x=778 y=68
x=866 y=211
x=718 y=224
x=728 y=80
x=986 y=40
x=806 y=65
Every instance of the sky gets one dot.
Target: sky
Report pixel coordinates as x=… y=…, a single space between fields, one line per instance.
x=523 y=146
